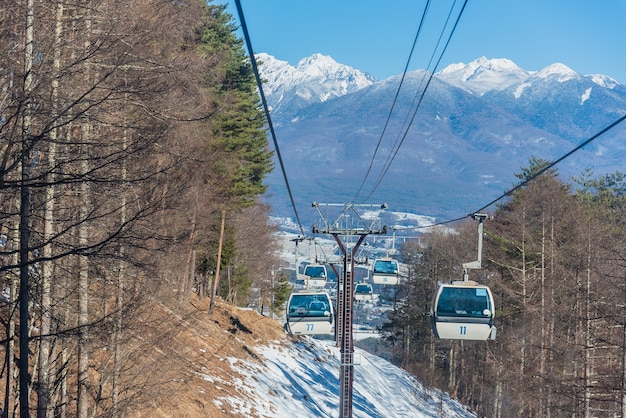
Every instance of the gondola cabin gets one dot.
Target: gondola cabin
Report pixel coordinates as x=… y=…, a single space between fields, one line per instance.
x=385 y=271
x=309 y=313
x=363 y=291
x=463 y=310
x=314 y=275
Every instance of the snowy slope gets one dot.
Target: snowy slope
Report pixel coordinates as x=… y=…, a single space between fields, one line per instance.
x=302 y=379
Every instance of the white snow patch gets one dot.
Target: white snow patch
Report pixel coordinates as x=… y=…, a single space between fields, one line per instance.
x=585 y=96
x=520 y=89
x=306 y=94
x=603 y=80
x=421 y=220
x=507 y=139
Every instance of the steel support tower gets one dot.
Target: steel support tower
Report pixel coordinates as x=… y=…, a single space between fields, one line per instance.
x=345 y=301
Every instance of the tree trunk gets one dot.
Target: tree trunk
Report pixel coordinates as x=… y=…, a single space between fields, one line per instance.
x=587 y=332
x=552 y=318
x=119 y=300
x=83 y=304
x=497 y=405
x=10 y=350
x=190 y=264
x=524 y=292
x=44 y=408
x=82 y=404
x=542 y=363
x=452 y=382
x=25 y=214
x=623 y=383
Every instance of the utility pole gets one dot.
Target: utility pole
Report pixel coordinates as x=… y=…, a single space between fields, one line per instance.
x=218 y=263
x=273 y=291
x=345 y=299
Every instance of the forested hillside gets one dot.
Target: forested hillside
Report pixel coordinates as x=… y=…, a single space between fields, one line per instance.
x=554 y=256
x=132 y=154
x=132 y=151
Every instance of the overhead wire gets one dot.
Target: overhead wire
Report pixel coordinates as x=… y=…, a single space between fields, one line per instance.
x=506 y=193
x=395 y=99
x=389 y=159
x=268 y=117
x=432 y=73
x=531 y=178
x=407 y=122
x=555 y=162
x=397 y=148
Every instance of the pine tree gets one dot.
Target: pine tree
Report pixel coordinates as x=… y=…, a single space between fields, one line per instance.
x=239 y=142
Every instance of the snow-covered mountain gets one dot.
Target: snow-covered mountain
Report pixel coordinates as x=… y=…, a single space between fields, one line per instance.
x=483 y=75
x=477 y=125
x=314 y=79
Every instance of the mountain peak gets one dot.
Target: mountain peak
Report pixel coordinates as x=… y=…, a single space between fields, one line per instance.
x=559 y=71
x=603 y=80
x=316 y=78
x=319 y=65
x=483 y=74
x=482 y=64
x=317 y=59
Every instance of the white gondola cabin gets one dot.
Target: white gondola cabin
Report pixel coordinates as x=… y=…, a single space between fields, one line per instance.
x=363 y=291
x=385 y=271
x=314 y=275
x=309 y=313
x=463 y=310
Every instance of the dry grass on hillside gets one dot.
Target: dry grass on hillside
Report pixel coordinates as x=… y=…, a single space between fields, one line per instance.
x=175 y=362
x=199 y=348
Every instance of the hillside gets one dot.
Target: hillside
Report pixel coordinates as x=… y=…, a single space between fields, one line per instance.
x=194 y=371
x=237 y=363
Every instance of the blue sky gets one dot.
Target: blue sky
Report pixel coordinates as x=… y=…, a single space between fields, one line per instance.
x=376 y=37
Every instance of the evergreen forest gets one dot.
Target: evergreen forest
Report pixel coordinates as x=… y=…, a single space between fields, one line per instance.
x=554 y=256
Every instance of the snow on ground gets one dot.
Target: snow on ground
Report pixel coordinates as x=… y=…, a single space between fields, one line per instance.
x=302 y=379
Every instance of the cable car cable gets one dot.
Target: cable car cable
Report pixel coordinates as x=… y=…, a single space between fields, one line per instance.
x=407 y=122
x=395 y=99
x=432 y=73
x=259 y=83
x=389 y=157
x=268 y=116
x=555 y=162
x=534 y=176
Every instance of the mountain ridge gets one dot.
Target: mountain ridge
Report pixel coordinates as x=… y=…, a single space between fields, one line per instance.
x=458 y=144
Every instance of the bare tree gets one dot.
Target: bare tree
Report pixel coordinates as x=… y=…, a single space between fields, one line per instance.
x=117 y=129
